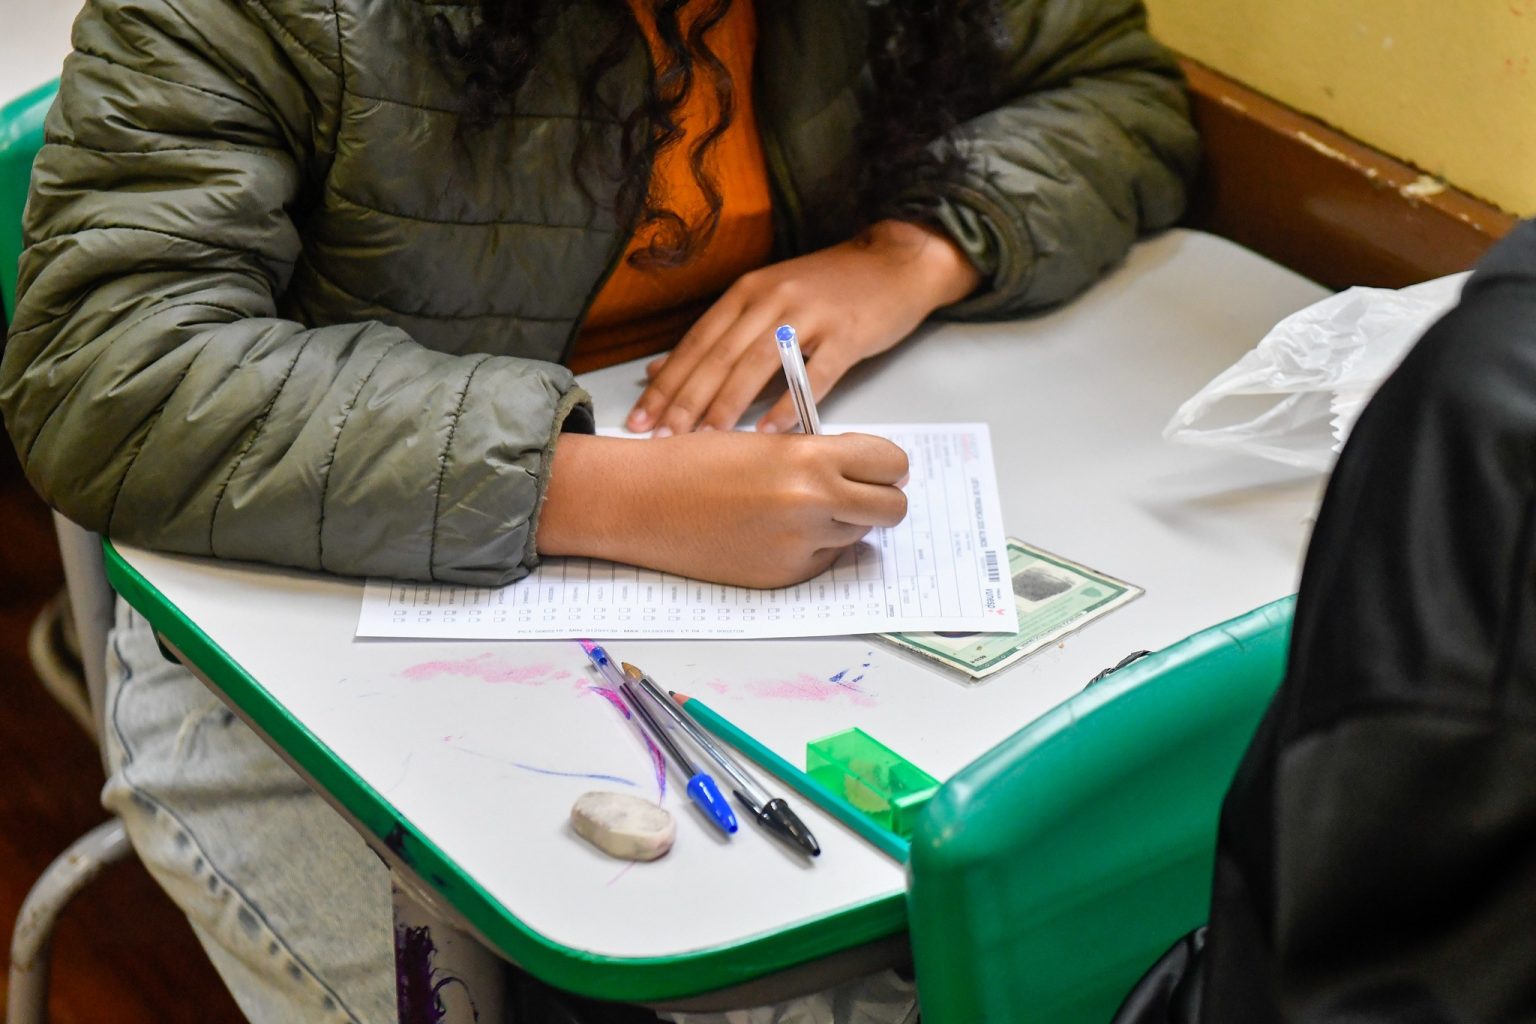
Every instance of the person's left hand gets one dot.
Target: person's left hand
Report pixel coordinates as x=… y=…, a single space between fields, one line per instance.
x=847 y=303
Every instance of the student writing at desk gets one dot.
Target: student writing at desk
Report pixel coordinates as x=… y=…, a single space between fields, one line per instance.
x=306 y=280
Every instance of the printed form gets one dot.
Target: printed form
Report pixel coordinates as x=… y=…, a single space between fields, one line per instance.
x=942 y=569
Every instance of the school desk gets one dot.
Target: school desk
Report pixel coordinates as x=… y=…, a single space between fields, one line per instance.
x=459 y=761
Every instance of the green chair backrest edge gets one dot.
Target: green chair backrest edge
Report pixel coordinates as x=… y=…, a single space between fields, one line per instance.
x=21 y=136
x=1048 y=875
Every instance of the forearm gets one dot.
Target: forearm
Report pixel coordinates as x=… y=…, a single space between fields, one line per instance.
x=588 y=501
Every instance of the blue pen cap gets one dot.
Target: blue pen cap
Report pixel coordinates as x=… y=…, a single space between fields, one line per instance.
x=784 y=334
x=704 y=792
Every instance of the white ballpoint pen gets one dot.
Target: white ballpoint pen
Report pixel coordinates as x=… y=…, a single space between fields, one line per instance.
x=799 y=383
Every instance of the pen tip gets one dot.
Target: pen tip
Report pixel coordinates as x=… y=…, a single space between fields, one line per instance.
x=778 y=817
x=707 y=795
x=632 y=672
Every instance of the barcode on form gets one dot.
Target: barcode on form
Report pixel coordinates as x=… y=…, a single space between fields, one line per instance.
x=994 y=573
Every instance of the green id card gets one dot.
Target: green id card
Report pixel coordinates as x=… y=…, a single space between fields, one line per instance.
x=1054 y=596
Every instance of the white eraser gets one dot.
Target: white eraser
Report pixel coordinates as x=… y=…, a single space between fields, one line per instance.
x=624 y=826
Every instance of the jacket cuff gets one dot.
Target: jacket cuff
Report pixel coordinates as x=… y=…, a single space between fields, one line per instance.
x=573 y=415
x=496 y=472
x=998 y=244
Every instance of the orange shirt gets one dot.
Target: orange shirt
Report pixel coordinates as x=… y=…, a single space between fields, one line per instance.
x=641 y=311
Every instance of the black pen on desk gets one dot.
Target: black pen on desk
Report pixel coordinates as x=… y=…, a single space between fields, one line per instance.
x=770 y=812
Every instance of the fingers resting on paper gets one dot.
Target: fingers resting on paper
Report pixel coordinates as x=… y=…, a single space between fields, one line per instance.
x=848 y=302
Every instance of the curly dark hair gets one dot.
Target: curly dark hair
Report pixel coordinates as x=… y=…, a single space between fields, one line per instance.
x=930 y=62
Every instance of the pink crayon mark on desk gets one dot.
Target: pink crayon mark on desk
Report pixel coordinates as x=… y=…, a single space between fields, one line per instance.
x=488 y=669
x=807 y=688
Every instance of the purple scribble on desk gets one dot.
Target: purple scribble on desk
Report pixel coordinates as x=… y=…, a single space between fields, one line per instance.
x=612 y=697
x=595 y=776
x=488 y=669
x=658 y=762
x=573 y=775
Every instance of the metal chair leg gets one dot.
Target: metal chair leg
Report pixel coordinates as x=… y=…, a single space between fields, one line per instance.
x=58 y=667
x=71 y=871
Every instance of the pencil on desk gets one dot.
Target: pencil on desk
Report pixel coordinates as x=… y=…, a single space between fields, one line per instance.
x=888 y=843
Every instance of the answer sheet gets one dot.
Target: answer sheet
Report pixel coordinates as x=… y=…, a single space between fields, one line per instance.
x=942 y=569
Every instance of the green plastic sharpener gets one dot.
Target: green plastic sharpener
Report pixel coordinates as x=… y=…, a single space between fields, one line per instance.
x=872 y=777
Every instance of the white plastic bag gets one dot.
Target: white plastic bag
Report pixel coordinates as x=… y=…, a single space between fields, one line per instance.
x=1296 y=396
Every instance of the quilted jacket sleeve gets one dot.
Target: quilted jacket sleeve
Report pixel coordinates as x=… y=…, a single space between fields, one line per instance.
x=1088 y=145
x=149 y=384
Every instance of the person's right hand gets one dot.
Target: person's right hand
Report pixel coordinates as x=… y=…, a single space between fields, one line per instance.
x=755 y=510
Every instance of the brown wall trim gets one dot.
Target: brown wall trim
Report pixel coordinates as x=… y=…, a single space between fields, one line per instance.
x=1321 y=203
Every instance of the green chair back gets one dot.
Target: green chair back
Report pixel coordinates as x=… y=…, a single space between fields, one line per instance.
x=21 y=136
x=1050 y=874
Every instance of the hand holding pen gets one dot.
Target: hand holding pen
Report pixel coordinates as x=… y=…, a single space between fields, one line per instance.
x=738 y=508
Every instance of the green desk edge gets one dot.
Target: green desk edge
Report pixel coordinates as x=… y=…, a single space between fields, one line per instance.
x=21 y=136
x=1048 y=875
x=1141 y=714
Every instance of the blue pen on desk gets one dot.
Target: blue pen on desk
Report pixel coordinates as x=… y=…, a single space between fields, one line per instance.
x=769 y=811
x=605 y=666
x=701 y=789
x=799 y=383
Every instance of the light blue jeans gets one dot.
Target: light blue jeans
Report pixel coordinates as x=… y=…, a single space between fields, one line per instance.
x=290 y=904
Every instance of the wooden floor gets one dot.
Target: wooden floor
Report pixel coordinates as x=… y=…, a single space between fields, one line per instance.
x=122 y=954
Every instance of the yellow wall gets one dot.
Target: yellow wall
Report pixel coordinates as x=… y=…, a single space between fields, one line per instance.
x=1446 y=85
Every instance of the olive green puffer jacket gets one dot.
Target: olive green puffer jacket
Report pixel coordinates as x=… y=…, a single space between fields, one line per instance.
x=274 y=308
